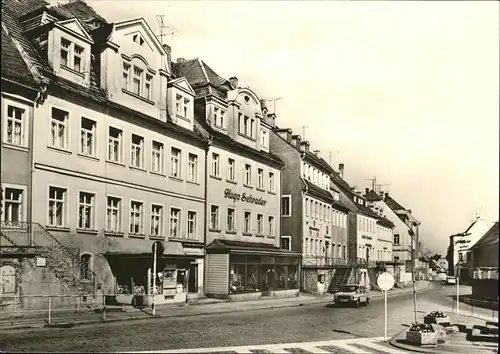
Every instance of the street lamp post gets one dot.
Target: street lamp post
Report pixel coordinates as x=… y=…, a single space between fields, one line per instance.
x=458 y=290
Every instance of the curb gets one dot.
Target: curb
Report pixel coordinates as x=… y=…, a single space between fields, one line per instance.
x=415 y=349
x=272 y=307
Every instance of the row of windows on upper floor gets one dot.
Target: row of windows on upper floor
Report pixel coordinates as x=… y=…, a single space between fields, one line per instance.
x=141 y=219
x=215 y=172
x=315 y=176
x=319 y=247
x=365 y=224
x=368 y=253
x=260 y=227
x=324 y=212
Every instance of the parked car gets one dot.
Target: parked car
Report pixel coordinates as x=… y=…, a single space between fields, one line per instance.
x=352 y=294
x=450 y=280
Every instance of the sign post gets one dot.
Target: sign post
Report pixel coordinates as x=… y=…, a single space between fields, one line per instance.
x=458 y=290
x=158 y=249
x=385 y=281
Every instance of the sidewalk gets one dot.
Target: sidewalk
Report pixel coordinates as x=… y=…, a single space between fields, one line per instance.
x=462 y=341
x=198 y=308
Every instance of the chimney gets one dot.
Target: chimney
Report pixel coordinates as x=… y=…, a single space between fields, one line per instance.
x=304 y=146
x=409 y=211
x=169 y=54
x=180 y=60
x=296 y=140
x=316 y=152
x=234 y=82
x=341 y=170
x=366 y=191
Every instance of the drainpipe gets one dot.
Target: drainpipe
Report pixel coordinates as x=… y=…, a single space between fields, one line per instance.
x=303 y=193
x=205 y=223
x=39 y=100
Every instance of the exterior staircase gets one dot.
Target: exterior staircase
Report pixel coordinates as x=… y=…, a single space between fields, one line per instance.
x=61 y=260
x=340 y=278
x=372 y=274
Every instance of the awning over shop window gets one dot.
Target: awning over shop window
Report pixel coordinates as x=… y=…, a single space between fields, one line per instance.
x=138 y=247
x=226 y=246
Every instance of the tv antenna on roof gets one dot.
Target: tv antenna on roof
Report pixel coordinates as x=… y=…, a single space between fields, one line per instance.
x=165 y=29
x=273 y=100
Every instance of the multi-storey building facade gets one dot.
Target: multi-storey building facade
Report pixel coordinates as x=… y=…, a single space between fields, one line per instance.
x=243 y=259
x=108 y=179
x=313 y=220
x=404 y=233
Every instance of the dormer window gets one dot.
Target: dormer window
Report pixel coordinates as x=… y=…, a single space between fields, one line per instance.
x=182 y=106
x=247 y=126
x=219 y=117
x=137 y=82
x=71 y=55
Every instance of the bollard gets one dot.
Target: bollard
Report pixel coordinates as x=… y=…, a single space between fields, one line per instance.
x=50 y=304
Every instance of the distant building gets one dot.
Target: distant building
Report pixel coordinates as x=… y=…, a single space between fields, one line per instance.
x=459 y=250
x=485 y=266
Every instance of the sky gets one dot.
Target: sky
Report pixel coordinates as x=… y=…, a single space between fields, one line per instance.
x=407 y=92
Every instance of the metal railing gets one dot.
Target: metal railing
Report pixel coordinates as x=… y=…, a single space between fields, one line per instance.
x=63 y=262
x=322 y=261
x=29 y=309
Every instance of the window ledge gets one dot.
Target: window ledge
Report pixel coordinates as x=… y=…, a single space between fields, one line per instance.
x=142 y=236
x=247 y=186
x=156 y=237
x=73 y=71
x=135 y=168
x=271 y=192
x=175 y=178
x=87 y=231
x=271 y=236
x=114 y=233
x=260 y=189
x=159 y=174
x=213 y=230
x=231 y=232
x=247 y=234
x=178 y=116
x=15 y=147
x=230 y=181
x=247 y=137
x=259 y=235
x=59 y=149
x=216 y=177
x=193 y=182
x=116 y=163
x=57 y=228
x=285 y=216
x=144 y=99
x=88 y=157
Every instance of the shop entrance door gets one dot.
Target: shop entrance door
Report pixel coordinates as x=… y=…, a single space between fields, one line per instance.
x=268 y=279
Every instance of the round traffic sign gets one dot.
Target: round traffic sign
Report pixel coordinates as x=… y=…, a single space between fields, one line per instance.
x=385 y=281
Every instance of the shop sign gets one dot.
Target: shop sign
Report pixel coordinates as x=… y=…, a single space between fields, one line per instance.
x=246 y=198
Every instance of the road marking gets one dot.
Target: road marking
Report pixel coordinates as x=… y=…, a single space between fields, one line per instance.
x=312 y=347
x=381 y=348
x=348 y=348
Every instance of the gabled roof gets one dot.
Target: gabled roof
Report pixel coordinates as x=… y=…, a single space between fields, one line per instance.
x=489 y=239
x=200 y=75
x=13 y=66
x=392 y=203
x=318 y=192
x=385 y=222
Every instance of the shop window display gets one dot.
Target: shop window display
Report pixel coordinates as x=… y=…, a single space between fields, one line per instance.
x=280 y=277
x=237 y=282
x=293 y=277
x=253 y=272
